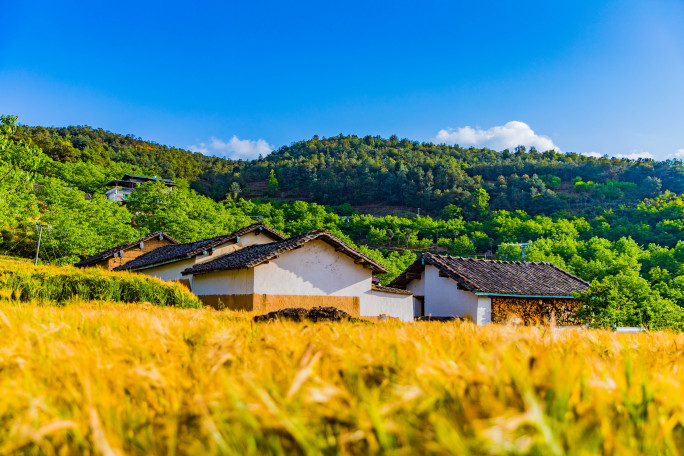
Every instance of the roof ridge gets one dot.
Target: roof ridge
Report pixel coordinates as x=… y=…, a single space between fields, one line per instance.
x=568 y=274
x=489 y=260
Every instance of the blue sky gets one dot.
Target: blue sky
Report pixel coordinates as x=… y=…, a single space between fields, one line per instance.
x=239 y=78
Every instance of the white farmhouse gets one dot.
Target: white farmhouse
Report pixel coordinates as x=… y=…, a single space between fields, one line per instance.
x=167 y=262
x=309 y=270
x=121 y=189
x=487 y=291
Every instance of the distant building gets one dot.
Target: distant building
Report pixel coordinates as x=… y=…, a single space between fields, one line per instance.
x=309 y=270
x=121 y=189
x=122 y=254
x=167 y=262
x=488 y=291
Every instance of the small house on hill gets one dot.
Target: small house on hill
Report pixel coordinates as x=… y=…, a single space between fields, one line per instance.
x=122 y=254
x=309 y=270
x=489 y=291
x=167 y=262
x=122 y=188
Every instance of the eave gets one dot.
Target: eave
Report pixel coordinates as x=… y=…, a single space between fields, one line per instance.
x=511 y=295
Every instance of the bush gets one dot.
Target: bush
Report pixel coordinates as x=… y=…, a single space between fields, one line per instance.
x=60 y=284
x=627 y=300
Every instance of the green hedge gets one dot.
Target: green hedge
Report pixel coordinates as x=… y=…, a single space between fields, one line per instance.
x=59 y=284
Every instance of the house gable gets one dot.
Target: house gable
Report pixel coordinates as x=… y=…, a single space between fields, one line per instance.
x=315 y=269
x=443 y=296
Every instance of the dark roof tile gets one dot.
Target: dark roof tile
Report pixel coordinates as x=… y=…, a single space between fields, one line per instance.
x=390 y=290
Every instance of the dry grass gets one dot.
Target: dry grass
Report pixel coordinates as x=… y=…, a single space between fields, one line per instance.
x=130 y=379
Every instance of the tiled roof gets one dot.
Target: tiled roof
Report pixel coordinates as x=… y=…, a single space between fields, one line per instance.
x=155 y=178
x=168 y=253
x=132 y=181
x=254 y=255
x=524 y=278
x=110 y=253
x=390 y=290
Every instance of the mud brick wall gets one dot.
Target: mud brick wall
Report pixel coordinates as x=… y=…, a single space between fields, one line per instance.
x=534 y=310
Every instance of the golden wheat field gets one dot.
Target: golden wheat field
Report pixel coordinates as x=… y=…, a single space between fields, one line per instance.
x=90 y=378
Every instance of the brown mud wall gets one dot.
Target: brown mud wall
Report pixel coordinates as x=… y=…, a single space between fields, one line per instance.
x=269 y=303
x=230 y=302
x=534 y=311
x=261 y=303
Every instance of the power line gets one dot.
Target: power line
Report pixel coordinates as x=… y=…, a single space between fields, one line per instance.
x=53 y=244
x=45 y=251
x=15 y=245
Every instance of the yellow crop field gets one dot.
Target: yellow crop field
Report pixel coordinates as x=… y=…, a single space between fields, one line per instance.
x=106 y=378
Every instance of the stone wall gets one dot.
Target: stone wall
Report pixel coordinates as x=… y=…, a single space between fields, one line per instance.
x=534 y=310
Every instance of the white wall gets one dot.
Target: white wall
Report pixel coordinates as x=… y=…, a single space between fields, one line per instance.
x=443 y=298
x=254 y=238
x=169 y=271
x=375 y=303
x=417 y=286
x=238 y=281
x=315 y=269
x=231 y=246
x=484 y=310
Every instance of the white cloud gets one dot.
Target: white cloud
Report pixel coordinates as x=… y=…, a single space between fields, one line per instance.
x=679 y=153
x=592 y=154
x=234 y=148
x=507 y=136
x=635 y=155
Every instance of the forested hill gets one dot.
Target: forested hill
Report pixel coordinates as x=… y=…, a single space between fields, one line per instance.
x=600 y=227
x=372 y=172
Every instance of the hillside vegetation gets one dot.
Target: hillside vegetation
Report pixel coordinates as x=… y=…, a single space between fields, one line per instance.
x=599 y=225
x=369 y=171
x=120 y=379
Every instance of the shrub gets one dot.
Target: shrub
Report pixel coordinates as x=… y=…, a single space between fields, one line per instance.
x=628 y=300
x=60 y=284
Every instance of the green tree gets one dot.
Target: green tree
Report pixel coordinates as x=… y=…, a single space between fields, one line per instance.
x=19 y=163
x=481 y=202
x=234 y=190
x=627 y=300
x=273 y=186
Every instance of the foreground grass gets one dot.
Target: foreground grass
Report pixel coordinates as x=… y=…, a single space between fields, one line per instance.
x=131 y=379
